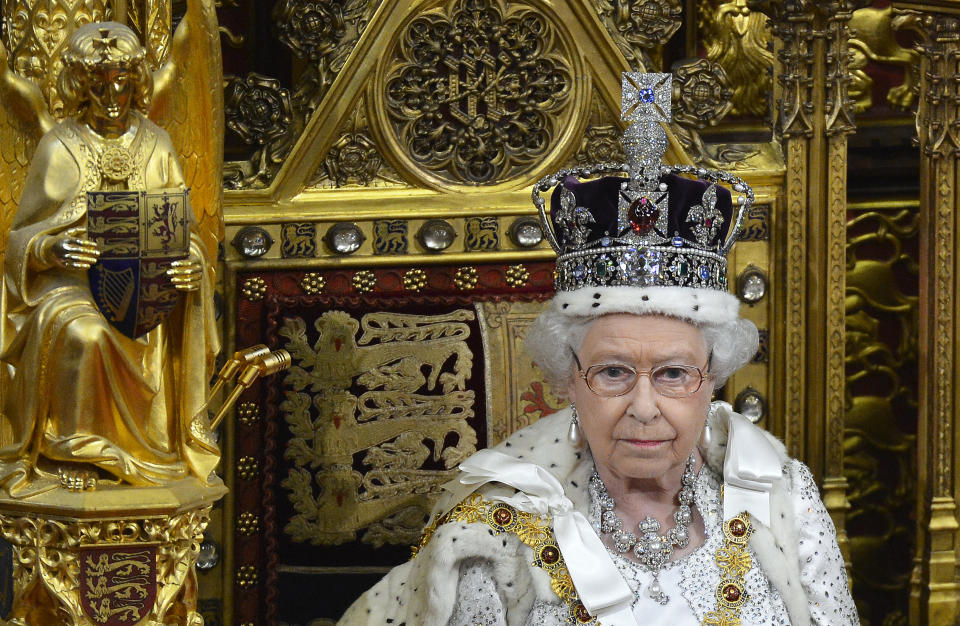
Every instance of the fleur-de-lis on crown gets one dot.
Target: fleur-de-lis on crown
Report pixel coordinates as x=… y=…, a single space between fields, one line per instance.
x=575 y=219
x=705 y=217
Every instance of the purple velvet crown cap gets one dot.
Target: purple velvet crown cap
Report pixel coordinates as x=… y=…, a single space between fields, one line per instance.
x=600 y=197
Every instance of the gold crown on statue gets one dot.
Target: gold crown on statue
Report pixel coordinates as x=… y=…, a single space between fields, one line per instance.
x=104 y=43
x=656 y=227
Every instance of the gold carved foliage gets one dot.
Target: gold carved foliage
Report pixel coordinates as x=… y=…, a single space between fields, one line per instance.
x=478 y=91
x=270 y=116
x=601 y=141
x=323 y=34
x=702 y=98
x=36 y=34
x=378 y=422
x=354 y=159
x=640 y=28
x=48 y=554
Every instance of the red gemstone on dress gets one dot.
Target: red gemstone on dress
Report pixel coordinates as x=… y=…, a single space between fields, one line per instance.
x=643 y=215
x=738 y=528
x=550 y=555
x=581 y=613
x=708 y=222
x=502 y=516
x=731 y=593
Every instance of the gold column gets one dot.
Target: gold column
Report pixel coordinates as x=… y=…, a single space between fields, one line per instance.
x=813 y=120
x=152 y=20
x=934 y=588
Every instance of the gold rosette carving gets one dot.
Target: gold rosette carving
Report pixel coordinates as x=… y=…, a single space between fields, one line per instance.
x=454 y=117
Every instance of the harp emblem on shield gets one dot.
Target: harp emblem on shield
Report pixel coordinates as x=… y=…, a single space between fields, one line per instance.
x=117 y=289
x=140 y=233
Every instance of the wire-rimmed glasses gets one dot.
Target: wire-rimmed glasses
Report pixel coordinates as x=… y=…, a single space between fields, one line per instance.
x=610 y=380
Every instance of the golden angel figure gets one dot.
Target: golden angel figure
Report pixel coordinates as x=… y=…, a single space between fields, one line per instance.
x=85 y=398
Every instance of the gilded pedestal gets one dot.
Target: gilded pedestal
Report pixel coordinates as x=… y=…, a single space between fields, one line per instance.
x=117 y=556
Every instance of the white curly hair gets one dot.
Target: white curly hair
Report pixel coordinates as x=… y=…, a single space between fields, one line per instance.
x=731 y=344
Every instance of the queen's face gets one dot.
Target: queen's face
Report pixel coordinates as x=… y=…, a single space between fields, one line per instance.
x=642 y=434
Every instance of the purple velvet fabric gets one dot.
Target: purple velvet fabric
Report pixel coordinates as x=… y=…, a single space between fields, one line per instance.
x=600 y=197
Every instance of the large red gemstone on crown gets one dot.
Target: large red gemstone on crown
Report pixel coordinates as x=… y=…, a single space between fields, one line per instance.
x=643 y=215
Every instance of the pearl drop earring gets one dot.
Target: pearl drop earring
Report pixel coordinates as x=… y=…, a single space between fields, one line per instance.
x=574 y=434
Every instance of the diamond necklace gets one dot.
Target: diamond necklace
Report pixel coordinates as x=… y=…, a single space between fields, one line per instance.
x=651 y=548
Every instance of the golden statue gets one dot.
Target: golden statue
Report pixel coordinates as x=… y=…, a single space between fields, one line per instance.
x=86 y=402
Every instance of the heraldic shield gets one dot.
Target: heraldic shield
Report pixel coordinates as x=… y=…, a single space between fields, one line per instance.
x=118 y=584
x=140 y=233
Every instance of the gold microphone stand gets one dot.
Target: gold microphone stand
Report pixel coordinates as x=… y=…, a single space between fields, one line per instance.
x=257 y=365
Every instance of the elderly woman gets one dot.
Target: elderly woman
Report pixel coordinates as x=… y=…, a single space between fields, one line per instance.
x=644 y=502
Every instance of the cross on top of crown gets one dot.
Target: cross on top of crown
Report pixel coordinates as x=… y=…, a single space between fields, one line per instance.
x=645 y=97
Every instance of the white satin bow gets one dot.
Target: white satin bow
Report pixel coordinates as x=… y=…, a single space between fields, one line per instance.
x=749 y=469
x=601 y=588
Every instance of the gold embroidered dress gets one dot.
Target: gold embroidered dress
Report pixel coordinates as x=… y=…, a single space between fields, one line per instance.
x=81 y=391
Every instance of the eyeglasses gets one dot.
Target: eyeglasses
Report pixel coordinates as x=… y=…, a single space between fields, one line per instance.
x=610 y=380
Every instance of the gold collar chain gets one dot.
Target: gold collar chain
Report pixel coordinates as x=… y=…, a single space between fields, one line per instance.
x=732 y=558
